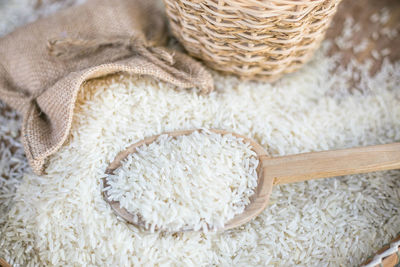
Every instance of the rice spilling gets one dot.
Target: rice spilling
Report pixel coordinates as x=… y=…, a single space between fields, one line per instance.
x=195 y=182
x=62 y=219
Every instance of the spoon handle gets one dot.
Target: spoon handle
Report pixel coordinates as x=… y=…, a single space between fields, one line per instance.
x=4 y=263
x=307 y=166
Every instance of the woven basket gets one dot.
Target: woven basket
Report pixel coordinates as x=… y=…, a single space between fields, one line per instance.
x=254 y=39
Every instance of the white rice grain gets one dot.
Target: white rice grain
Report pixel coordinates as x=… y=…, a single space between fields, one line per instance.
x=61 y=218
x=338 y=221
x=196 y=181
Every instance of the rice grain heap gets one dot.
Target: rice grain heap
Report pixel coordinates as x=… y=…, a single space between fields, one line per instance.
x=191 y=182
x=61 y=218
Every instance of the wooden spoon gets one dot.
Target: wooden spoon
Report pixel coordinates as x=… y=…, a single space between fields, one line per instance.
x=3 y=263
x=281 y=170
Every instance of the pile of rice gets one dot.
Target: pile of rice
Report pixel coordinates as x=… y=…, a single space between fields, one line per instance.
x=195 y=182
x=61 y=218
x=13 y=163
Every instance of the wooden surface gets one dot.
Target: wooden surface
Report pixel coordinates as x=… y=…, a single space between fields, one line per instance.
x=307 y=166
x=361 y=11
x=391 y=260
x=281 y=170
x=3 y=263
x=388 y=261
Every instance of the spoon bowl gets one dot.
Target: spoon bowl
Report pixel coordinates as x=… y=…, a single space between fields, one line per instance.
x=258 y=201
x=277 y=170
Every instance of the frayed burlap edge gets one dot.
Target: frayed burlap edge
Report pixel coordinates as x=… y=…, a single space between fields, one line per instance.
x=38 y=162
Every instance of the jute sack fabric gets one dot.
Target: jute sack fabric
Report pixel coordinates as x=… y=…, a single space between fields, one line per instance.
x=43 y=65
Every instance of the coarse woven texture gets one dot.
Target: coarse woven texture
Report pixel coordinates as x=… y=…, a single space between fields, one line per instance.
x=387 y=256
x=61 y=218
x=43 y=64
x=252 y=39
x=382 y=185
x=195 y=182
x=13 y=163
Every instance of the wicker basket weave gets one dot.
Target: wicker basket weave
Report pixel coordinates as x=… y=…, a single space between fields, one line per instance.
x=255 y=39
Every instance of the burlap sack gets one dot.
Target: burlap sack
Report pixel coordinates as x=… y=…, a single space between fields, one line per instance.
x=43 y=65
